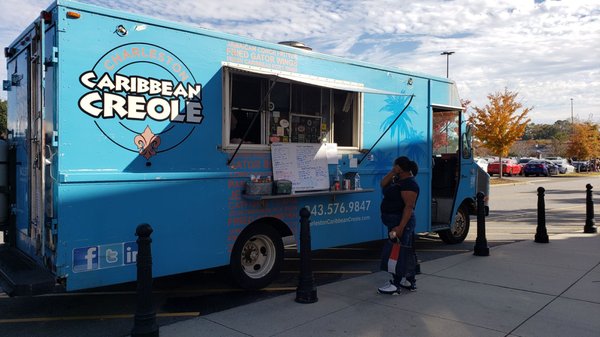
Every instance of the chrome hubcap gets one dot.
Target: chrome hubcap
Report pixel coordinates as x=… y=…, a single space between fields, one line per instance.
x=459 y=225
x=258 y=256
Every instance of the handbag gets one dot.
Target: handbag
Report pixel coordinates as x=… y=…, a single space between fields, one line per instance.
x=394 y=257
x=390 y=256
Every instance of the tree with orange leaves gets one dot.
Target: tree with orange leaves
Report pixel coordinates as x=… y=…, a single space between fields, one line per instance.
x=585 y=141
x=500 y=123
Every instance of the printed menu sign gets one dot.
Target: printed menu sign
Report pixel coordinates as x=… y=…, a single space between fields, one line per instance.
x=305 y=165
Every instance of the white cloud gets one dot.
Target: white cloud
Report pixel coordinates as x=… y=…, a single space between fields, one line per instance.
x=549 y=52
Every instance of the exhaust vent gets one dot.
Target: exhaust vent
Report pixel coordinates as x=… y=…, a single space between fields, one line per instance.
x=295 y=44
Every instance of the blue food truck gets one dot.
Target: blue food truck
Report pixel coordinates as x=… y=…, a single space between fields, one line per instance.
x=215 y=140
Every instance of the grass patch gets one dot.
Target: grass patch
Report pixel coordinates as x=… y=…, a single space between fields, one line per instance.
x=496 y=181
x=582 y=174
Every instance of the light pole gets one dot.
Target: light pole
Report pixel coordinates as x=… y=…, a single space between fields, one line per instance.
x=447 y=53
x=571 y=112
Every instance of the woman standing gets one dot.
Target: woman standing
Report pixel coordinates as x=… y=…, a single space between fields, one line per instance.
x=400 y=193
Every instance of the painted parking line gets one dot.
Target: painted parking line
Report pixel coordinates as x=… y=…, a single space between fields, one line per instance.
x=92 y=318
x=444 y=250
x=355 y=272
x=179 y=291
x=333 y=259
x=349 y=248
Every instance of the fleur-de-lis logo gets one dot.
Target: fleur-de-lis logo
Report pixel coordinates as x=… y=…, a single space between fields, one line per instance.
x=147 y=143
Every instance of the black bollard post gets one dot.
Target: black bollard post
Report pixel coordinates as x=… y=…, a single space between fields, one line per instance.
x=589 y=211
x=306 y=291
x=145 y=316
x=541 y=235
x=481 y=245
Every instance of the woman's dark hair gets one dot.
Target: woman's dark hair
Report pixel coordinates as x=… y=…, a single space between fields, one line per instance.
x=407 y=165
x=414 y=168
x=403 y=162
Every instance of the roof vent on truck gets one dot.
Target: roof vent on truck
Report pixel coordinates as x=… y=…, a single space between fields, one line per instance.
x=295 y=44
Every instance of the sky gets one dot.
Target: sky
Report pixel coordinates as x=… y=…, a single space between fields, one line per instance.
x=547 y=51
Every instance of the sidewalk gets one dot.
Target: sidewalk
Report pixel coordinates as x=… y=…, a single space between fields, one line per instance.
x=521 y=289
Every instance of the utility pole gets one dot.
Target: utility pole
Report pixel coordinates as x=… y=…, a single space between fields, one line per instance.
x=447 y=53
x=571 y=112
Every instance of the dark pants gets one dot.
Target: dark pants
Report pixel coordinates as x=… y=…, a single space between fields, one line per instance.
x=408 y=259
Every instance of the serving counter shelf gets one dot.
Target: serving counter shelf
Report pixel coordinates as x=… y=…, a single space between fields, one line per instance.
x=332 y=194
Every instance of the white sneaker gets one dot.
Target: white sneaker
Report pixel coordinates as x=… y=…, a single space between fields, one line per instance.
x=406 y=284
x=389 y=289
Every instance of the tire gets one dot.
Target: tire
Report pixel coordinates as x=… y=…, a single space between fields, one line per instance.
x=256 y=257
x=459 y=230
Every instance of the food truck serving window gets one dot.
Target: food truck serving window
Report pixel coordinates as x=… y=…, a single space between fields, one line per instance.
x=288 y=111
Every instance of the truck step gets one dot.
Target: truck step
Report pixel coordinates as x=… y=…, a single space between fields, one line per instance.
x=21 y=276
x=439 y=226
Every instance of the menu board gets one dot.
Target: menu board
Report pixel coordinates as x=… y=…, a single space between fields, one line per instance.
x=305 y=165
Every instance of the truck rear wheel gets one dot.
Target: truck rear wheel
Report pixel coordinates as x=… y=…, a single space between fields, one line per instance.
x=256 y=257
x=459 y=230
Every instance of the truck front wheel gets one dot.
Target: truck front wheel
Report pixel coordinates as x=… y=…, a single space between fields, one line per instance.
x=256 y=257
x=459 y=230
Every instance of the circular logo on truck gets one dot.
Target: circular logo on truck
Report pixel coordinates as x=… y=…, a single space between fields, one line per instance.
x=143 y=98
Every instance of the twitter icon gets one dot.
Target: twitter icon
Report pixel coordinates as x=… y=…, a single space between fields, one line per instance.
x=111 y=255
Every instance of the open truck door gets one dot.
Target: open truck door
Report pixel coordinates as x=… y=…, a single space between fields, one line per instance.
x=22 y=274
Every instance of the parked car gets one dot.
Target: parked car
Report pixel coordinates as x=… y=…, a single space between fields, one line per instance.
x=482 y=163
x=582 y=166
x=509 y=167
x=539 y=167
x=563 y=166
x=522 y=162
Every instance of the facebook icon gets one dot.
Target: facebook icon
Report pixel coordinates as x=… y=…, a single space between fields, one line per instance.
x=85 y=259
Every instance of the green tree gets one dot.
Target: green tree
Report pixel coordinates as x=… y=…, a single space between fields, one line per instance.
x=3 y=113
x=560 y=131
x=536 y=131
x=500 y=123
